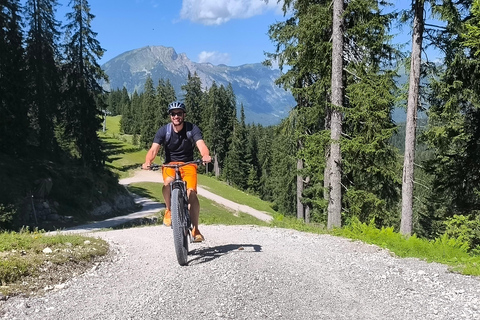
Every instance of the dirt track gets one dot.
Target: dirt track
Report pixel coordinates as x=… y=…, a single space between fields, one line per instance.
x=150 y=207
x=155 y=176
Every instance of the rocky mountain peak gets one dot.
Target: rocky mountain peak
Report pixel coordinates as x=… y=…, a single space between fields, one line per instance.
x=253 y=84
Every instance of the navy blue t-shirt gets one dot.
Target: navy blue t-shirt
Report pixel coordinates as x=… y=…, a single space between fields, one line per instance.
x=180 y=148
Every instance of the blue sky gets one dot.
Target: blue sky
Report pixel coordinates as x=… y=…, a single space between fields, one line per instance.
x=232 y=32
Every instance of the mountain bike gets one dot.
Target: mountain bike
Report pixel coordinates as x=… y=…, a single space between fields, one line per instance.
x=181 y=223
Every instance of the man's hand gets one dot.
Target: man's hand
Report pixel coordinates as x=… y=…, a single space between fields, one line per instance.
x=150 y=157
x=206 y=159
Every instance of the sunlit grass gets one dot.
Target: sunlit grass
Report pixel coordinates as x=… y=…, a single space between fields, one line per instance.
x=122 y=156
x=25 y=253
x=210 y=211
x=448 y=251
x=112 y=125
x=150 y=190
x=224 y=190
x=214 y=213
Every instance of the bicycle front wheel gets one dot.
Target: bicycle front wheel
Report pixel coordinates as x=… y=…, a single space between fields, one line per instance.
x=179 y=225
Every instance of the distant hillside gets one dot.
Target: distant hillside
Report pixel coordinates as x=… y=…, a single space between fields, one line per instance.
x=254 y=84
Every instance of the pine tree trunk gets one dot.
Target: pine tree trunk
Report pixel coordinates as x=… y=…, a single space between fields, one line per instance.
x=412 y=104
x=335 y=198
x=307 y=207
x=300 y=209
x=326 y=171
x=216 y=166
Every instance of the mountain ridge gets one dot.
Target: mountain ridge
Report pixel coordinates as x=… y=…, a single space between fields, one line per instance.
x=253 y=84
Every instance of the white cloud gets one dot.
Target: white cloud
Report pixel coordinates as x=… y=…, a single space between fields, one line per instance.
x=214 y=57
x=216 y=12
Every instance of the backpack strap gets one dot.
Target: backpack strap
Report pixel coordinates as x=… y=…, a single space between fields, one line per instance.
x=168 y=135
x=189 y=133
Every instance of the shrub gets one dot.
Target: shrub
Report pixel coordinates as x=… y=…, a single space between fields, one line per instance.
x=465 y=229
x=7 y=212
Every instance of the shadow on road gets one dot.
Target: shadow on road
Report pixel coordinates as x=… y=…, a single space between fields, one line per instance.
x=211 y=253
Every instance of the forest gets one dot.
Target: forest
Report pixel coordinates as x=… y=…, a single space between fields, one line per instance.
x=337 y=157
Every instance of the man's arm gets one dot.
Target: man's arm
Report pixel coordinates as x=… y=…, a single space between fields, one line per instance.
x=202 y=147
x=151 y=154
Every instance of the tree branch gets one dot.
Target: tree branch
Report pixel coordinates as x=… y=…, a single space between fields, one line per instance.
x=435 y=26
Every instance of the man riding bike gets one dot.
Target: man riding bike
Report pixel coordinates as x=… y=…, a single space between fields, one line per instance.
x=179 y=139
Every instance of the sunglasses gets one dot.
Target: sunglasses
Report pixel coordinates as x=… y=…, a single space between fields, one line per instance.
x=173 y=114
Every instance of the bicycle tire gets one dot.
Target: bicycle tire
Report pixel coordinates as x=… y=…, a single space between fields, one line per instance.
x=179 y=226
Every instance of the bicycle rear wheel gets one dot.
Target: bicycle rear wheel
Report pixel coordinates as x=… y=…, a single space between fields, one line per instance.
x=180 y=228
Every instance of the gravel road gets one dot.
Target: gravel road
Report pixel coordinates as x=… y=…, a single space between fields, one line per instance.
x=253 y=273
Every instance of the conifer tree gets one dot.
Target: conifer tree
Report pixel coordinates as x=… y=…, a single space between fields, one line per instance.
x=412 y=105
x=226 y=118
x=114 y=102
x=236 y=168
x=44 y=78
x=219 y=118
x=370 y=162
x=252 y=159
x=136 y=107
x=337 y=87
x=471 y=33
x=309 y=56
x=149 y=125
x=126 y=122
x=304 y=43
x=14 y=126
x=209 y=103
x=265 y=160
x=447 y=39
x=193 y=98
x=453 y=128
x=283 y=174
x=165 y=95
x=162 y=100
x=82 y=76
x=124 y=100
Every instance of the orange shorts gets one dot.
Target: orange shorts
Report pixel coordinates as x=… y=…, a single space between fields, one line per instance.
x=188 y=173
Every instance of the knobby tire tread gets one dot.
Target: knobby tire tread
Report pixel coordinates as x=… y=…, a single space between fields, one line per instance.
x=180 y=234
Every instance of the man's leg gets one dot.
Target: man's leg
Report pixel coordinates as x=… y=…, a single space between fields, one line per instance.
x=194 y=207
x=166 y=195
x=190 y=177
x=167 y=179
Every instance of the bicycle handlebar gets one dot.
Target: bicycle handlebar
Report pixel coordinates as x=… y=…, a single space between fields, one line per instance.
x=155 y=167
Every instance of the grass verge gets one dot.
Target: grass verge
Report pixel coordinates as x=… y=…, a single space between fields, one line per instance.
x=210 y=211
x=228 y=192
x=448 y=251
x=30 y=261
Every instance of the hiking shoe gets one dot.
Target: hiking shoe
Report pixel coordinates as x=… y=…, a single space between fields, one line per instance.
x=197 y=236
x=167 y=218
